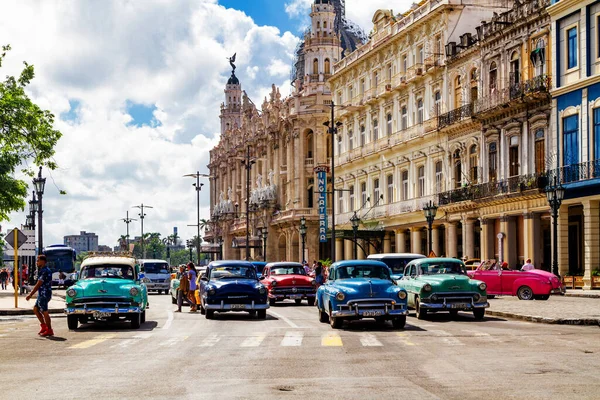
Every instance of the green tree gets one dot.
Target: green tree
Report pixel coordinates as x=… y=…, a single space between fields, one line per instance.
x=26 y=134
x=122 y=241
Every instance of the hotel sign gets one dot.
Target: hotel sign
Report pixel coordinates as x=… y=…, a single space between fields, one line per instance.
x=322 y=201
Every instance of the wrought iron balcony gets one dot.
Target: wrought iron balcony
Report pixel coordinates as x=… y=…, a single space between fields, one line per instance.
x=456 y=115
x=483 y=191
x=576 y=172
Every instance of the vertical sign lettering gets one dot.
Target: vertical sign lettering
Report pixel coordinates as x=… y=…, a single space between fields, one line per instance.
x=322 y=202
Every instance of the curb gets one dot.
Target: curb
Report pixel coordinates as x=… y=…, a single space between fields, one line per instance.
x=583 y=296
x=30 y=311
x=544 y=320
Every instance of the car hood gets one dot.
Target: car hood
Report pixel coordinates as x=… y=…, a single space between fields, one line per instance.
x=105 y=286
x=448 y=282
x=292 y=280
x=397 y=277
x=234 y=285
x=362 y=287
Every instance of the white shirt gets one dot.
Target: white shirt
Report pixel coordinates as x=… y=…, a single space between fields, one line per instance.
x=527 y=267
x=307 y=269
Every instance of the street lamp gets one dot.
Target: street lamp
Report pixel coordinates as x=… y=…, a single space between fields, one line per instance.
x=354 y=220
x=127 y=221
x=303 y=234
x=198 y=187
x=39 y=184
x=247 y=163
x=142 y=215
x=190 y=246
x=555 y=195
x=264 y=234
x=430 y=210
x=332 y=129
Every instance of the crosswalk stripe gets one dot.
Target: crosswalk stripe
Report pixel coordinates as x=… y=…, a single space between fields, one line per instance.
x=447 y=338
x=129 y=342
x=210 y=340
x=173 y=341
x=369 y=340
x=292 y=339
x=484 y=335
x=92 y=342
x=331 y=340
x=404 y=338
x=253 y=341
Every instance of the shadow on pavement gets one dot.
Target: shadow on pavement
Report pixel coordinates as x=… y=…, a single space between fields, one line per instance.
x=373 y=326
x=56 y=338
x=443 y=317
x=124 y=326
x=228 y=316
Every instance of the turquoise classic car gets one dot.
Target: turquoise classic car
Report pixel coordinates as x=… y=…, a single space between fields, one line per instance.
x=359 y=289
x=108 y=289
x=442 y=284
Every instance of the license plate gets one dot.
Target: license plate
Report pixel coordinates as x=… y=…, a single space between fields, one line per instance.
x=460 y=305
x=238 y=306
x=372 y=313
x=295 y=296
x=98 y=314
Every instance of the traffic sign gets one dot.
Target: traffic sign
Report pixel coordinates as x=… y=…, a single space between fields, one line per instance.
x=21 y=238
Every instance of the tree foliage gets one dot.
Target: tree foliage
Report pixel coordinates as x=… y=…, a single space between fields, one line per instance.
x=26 y=136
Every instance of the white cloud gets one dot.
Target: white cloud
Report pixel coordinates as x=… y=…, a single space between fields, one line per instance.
x=361 y=12
x=279 y=68
x=298 y=8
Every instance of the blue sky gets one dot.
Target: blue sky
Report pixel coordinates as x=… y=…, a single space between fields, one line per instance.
x=266 y=12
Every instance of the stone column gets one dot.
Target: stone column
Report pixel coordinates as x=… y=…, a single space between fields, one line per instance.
x=360 y=251
x=302 y=156
x=563 y=240
x=591 y=237
x=468 y=234
x=339 y=248
x=435 y=238
x=504 y=230
x=348 y=250
x=415 y=240
x=528 y=234
x=298 y=160
x=483 y=234
x=451 y=244
x=387 y=243
x=400 y=241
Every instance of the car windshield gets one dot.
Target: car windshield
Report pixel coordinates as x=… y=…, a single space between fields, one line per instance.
x=156 y=268
x=443 y=268
x=107 y=271
x=398 y=264
x=363 y=271
x=233 y=271
x=291 y=270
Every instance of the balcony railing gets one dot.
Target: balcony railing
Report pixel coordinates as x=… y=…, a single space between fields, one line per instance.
x=456 y=115
x=414 y=71
x=515 y=184
x=575 y=172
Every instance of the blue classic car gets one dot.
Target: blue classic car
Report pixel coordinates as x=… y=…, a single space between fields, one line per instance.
x=232 y=286
x=359 y=289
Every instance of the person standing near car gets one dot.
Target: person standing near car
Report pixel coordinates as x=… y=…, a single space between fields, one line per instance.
x=44 y=286
x=319 y=274
x=528 y=266
x=182 y=290
x=3 y=278
x=193 y=286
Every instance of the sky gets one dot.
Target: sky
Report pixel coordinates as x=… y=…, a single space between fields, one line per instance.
x=136 y=86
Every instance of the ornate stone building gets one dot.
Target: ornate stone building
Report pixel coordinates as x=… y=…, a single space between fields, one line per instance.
x=279 y=145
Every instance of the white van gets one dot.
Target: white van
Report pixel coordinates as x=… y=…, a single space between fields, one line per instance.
x=396 y=261
x=158 y=273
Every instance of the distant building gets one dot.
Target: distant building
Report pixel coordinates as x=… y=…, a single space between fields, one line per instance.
x=85 y=241
x=103 y=247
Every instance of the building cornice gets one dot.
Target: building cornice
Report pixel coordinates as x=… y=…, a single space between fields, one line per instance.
x=564 y=7
x=580 y=84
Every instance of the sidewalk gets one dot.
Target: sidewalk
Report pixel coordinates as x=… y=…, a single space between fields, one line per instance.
x=7 y=303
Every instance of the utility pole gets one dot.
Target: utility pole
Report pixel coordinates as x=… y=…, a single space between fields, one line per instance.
x=333 y=128
x=247 y=163
x=198 y=187
x=127 y=220
x=142 y=215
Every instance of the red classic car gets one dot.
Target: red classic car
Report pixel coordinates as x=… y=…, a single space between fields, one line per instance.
x=526 y=285
x=288 y=280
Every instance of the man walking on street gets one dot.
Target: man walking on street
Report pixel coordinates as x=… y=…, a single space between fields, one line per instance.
x=183 y=287
x=44 y=286
x=192 y=288
x=3 y=278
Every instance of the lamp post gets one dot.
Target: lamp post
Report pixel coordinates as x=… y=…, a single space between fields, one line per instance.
x=555 y=195
x=333 y=128
x=247 y=163
x=430 y=210
x=354 y=220
x=142 y=215
x=127 y=221
x=39 y=184
x=303 y=234
x=190 y=246
x=264 y=234
x=198 y=187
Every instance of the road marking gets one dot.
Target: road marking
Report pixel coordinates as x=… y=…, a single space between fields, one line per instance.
x=210 y=340
x=369 y=340
x=281 y=317
x=483 y=335
x=292 y=339
x=331 y=340
x=169 y=321
x=92 y=342
x=447 y=338
x=254 y=341
x=405 y=338
x=173 y=341
x=128 y=342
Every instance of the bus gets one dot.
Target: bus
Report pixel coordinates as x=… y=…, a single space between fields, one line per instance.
x=61 y=258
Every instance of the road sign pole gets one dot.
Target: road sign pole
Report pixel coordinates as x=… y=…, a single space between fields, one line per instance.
x=16 y=266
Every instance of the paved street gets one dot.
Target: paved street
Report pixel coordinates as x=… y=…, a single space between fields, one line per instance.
x=292 y=355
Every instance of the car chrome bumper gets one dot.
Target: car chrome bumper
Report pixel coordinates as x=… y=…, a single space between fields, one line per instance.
x=560 y=290
x=92 y=310
x=158 y=286
x=230 y=307
x=449 y=306
x=292 y=296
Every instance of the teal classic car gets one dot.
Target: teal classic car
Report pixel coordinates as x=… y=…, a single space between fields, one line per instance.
x=442 y=284
x=358 y=289
x=108 y=289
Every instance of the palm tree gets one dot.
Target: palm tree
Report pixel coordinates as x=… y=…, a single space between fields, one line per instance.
x=123 y=242
x=204 y=223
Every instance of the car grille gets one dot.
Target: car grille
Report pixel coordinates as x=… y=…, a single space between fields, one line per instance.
x=293 y=290
x=235 y=298
x=104 y=302
x=371 y=304
x=454 y=297
x=157 y=280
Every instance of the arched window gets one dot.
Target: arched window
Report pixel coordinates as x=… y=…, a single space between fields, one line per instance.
x=362 y=135
x=327 y=67
x=404 y=117
x=540 y=147
x=340 y=201
x=376 y=190
x=420 y=115
x=473 y=85
x=375 y=130
x=437 y=100
x=439 y=177
x=474 y=161
x=309 y=145
x=363 y=192
x=457 y=92
x=405 y=185
x=390 y=188
x=493 y=76
x=324 y=24
x=350 y=140
x=457 y=169
x=351 y=205
x=421 y=180
x=318 y=24
x=310 y=199
x=492 y=161
x=389 y=124
x=315 y=66
x=515 y=69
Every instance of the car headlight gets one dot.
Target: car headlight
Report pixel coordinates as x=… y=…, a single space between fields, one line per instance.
x=340 y=296
x=261 y=290
x=71 y=292
x=212 y=291
x=482 y=286
x=434 y=297
x=427 y=287
x=273 y=283
x=314 y=283
x=476 y=297
x=401 y=295
x=134 y=291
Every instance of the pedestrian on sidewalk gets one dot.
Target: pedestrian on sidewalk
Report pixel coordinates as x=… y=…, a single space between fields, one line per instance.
x=192 y=291
x=183 y=288
x=3 y=278
x=528 y=266
x=44 y=286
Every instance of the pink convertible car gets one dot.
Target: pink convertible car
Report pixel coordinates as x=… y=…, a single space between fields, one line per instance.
x=526 y=285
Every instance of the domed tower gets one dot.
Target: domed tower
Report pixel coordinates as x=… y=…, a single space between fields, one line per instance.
x=231 y=110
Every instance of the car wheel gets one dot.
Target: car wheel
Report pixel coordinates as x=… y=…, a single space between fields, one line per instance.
x=136 y=321
x=399 y=322
x=202 y=309
x=209 y=314
x=323 y=317
x=525 y=293
x=479 y=313
x=262 y=314
x=298 y=301
x=311 y=301
x=336 y=323
x=542 y=297
x=72 y=321
x=271 y=302
x=453 y=313
x=143 y=317
x=421 y=312
x=491 y=296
